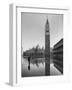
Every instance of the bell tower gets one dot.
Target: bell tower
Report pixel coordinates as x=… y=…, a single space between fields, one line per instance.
x=47 y=48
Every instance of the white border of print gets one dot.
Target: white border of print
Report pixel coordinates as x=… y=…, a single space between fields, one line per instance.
x=15 y=46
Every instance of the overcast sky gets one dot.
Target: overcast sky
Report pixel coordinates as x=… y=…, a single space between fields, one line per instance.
x=33 y=29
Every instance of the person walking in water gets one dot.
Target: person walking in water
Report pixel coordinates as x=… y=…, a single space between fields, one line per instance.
x=29 y=63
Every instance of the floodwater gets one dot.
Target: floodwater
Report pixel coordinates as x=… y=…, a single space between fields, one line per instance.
x=36 y=68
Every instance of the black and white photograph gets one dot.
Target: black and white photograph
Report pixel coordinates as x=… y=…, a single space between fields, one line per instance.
x=41 y=44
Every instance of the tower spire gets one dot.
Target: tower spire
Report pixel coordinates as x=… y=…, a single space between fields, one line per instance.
x=47 y=20
x=47 y=26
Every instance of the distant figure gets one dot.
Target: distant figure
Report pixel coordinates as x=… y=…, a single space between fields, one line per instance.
x=29 y=59
x=29 y=67
x=29 y=63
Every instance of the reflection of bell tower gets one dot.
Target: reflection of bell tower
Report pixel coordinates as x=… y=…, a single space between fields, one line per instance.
x=47 y=49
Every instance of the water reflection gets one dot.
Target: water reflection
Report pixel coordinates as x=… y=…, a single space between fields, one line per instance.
x=33 y=67
x=29 y=67
x=35 y=61
x=36 y=67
